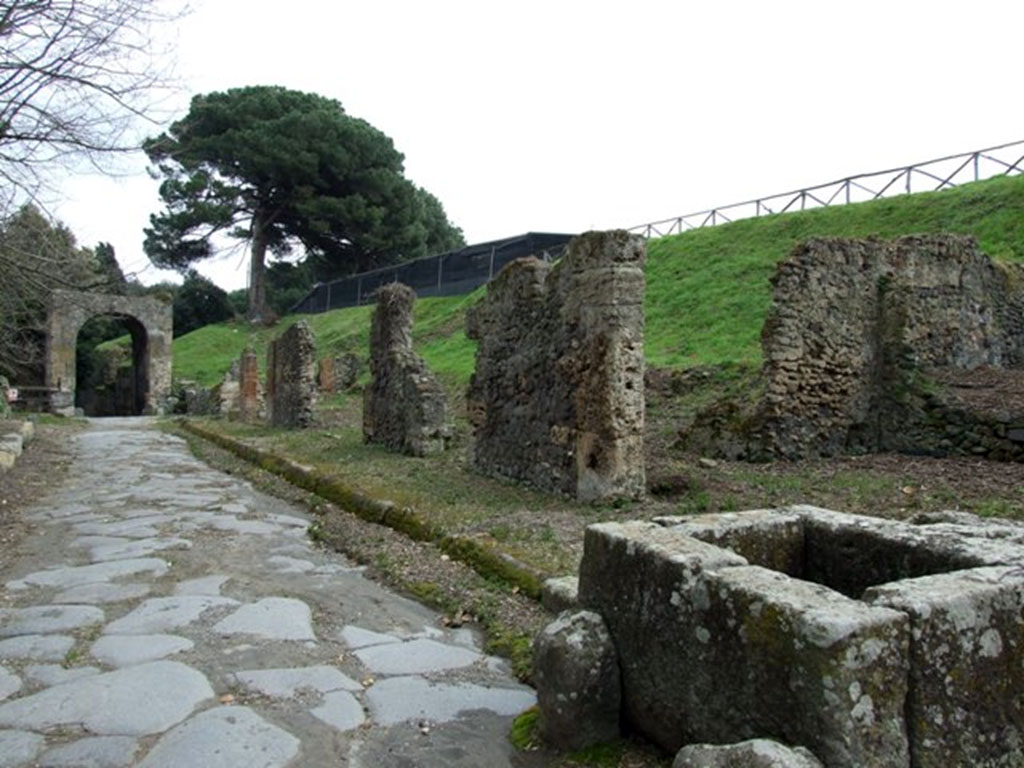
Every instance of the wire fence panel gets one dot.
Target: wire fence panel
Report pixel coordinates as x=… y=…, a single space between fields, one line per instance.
x=447 y=274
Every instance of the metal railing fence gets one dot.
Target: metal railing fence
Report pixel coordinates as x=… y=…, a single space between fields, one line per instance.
x=930 y=175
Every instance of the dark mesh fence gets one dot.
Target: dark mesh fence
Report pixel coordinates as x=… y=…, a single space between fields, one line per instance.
x=448 y=274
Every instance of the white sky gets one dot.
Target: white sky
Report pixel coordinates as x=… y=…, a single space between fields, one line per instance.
x=564 y=116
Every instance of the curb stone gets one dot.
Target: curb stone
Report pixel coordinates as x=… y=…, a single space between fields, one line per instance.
x=487 y=560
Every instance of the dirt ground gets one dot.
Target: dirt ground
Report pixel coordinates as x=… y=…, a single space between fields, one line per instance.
x=44 y=461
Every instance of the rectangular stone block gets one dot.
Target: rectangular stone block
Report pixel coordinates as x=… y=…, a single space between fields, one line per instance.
x=771 y=538
x=965 y=704
x=714 y=650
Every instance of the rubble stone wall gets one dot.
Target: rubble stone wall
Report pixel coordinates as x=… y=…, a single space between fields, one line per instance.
x=858 y=330
x=557 y=397
x=291 y=377
x=405 y=408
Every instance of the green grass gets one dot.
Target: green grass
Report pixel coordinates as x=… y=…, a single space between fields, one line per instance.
x=708 y=289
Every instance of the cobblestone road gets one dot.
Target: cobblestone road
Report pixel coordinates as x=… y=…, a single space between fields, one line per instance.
x=166 y=614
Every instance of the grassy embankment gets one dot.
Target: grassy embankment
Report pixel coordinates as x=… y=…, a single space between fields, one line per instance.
x=707 y=296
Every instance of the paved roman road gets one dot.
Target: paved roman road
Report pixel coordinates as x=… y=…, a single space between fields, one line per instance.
x=167 y=614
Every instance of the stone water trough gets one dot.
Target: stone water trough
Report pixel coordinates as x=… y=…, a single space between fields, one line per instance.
x=870 y=642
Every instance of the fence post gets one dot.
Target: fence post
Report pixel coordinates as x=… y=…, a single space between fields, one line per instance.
x=975 y=166
x=490 y=268
x=440 y=267
x=329 y=282
x=847 y=185
x=359 y=291
x=908 y=179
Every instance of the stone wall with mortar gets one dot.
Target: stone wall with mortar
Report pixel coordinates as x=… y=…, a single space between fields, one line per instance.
x=857 y=329
x=405 y=407
x=557 y=397
x=291 y=377
x=760 y=624
x=150 y=321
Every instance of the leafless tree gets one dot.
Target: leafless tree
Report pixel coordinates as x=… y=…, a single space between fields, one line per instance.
x=76 y=77
x=81 y=81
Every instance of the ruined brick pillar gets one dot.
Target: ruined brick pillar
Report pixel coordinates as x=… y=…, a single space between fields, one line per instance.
x=291 y=377
x=405 y=408
x=249 y=396
x=557 y=398
x=325 y=374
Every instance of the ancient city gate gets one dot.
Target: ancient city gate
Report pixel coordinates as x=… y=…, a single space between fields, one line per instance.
x=149 y=321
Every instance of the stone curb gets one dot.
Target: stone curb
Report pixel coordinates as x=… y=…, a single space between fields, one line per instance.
x=482 y=557
x=14 y=436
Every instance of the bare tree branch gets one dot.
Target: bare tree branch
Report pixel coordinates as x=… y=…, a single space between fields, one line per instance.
x=77 y=78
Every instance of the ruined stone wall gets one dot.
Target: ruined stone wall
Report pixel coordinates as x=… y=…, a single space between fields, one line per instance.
x=854 y=325
x=557 y=398
x=405 y=408
x=250 y=393
x=291 y=377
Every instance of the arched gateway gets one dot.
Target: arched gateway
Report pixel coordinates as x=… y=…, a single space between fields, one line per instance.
x=149 y=321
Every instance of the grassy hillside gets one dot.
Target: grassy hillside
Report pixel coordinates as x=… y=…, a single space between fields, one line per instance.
x=707 y=289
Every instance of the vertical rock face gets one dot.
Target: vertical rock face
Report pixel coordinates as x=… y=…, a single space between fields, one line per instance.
x=250 y=396
x=851 y=322
x=557 y=397
x=291 y=377
x=405 y=408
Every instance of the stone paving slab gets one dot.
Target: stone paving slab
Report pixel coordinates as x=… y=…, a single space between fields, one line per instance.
x=272 y=618
x=19 y=748
x=285 y=683
x=102 y=592
x=47 y=618
x=139 y=700
x=397 y=699
x=159 y=614
x=36 y=647
x=70 y=576
x=340 y=710
x=93 y=752
x=9 y=683
x=415 y=657
x=125 y=650
x=226 y=737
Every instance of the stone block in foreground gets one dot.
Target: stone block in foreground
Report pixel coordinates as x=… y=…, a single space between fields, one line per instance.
x=577 y=677
x=714 y=650
x=756 y=753
x=966 y=673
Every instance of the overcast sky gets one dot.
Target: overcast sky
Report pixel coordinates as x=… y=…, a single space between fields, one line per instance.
x=565 y=116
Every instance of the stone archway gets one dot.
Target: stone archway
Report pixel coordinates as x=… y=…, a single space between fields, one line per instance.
x=150 y=321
